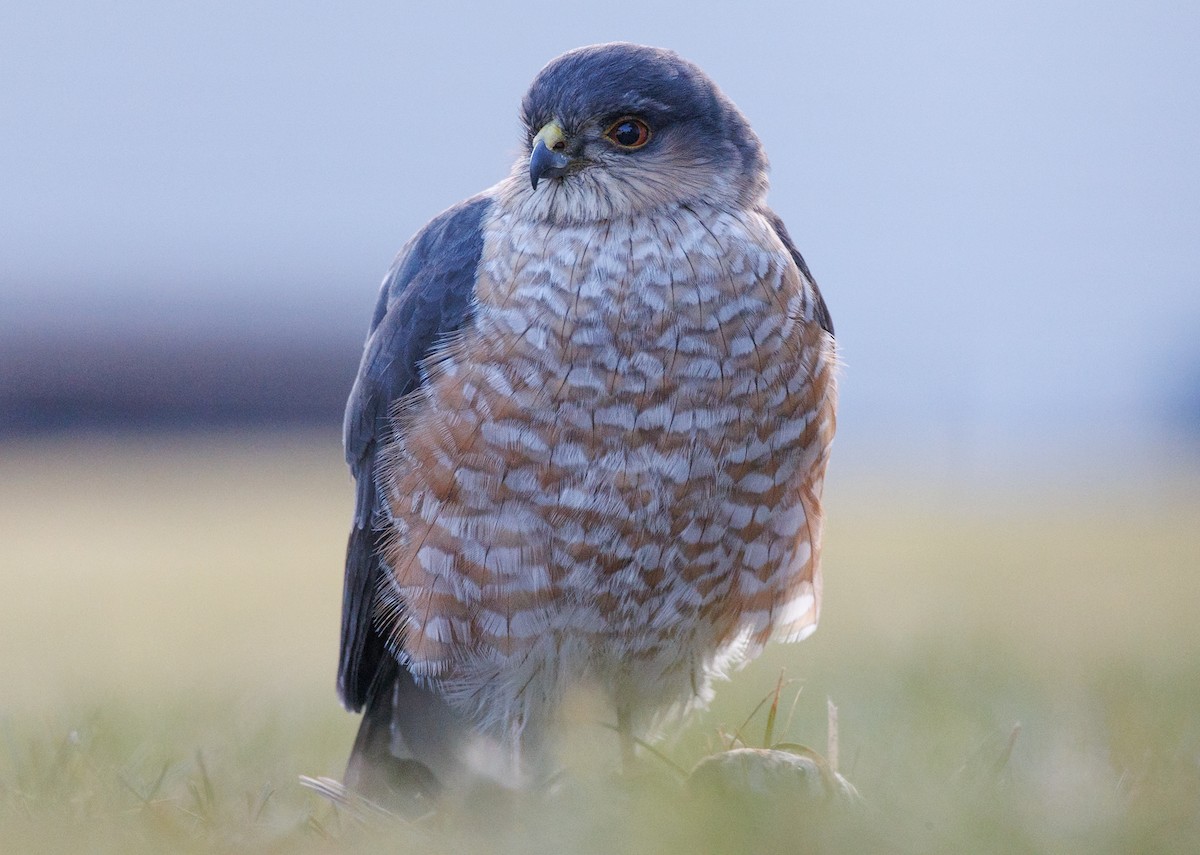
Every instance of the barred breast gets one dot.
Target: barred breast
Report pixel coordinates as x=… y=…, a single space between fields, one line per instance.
x=614 y=473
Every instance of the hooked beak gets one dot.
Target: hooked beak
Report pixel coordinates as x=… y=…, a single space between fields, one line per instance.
x=548 y=159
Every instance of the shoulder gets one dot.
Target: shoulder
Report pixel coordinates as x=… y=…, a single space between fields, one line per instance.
x=442 y=256
x=820 y=309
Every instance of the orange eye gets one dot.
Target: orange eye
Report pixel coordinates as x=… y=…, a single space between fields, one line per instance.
x=629 y=132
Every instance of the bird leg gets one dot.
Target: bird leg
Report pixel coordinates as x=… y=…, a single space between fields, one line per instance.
x=625 y=734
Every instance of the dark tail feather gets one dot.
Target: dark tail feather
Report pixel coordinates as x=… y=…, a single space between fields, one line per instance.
x=407 y=744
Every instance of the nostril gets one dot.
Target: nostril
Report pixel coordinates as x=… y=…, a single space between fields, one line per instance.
x=560 y=145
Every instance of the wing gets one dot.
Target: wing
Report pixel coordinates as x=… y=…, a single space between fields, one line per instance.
x=822 y=311
x=426 y=296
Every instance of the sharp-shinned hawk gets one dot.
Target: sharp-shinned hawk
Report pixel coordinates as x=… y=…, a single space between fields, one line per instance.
x=589 y=432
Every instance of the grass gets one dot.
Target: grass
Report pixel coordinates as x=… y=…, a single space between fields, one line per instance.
x=1015 y=671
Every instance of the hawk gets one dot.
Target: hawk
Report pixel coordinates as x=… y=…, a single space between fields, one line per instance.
x=589 y=432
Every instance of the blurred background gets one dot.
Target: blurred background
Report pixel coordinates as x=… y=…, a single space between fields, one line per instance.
x=1000 y=202
x=198 y=201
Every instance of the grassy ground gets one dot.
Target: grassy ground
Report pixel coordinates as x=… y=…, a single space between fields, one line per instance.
x=1017 y=671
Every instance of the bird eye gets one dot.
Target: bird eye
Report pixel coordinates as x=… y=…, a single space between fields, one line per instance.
x=629 y=132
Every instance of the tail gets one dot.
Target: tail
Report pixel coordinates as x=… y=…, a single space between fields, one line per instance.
x=407 y=748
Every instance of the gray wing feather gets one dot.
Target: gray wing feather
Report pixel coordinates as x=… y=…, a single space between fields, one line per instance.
x=426 y=296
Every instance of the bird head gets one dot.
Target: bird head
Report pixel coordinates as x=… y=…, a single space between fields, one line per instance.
x=617 y=129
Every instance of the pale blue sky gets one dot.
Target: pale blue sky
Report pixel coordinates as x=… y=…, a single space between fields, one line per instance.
x=999 y=200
